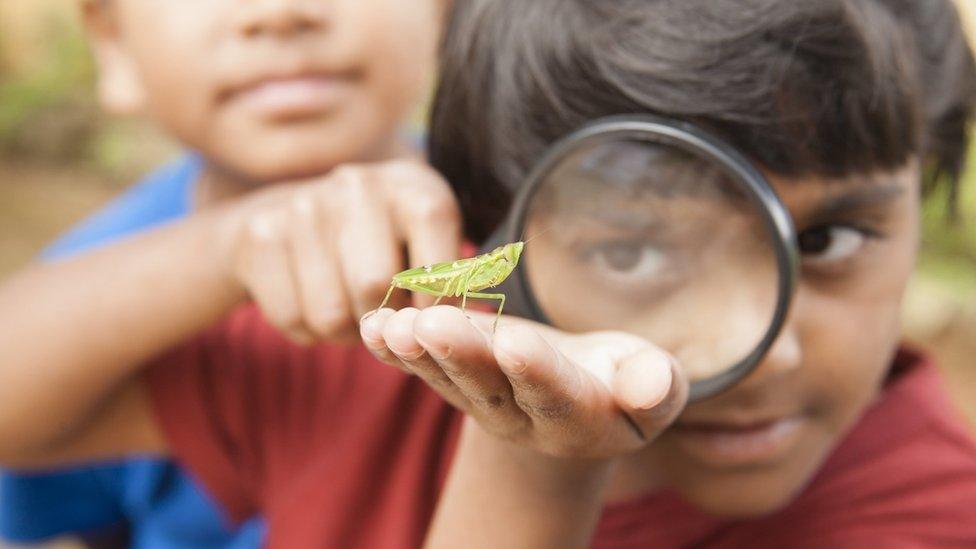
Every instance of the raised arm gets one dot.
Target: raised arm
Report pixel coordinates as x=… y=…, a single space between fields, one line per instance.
x=314 y=255
x=73 y=335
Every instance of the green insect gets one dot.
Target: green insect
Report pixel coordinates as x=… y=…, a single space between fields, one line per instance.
x=462 y=278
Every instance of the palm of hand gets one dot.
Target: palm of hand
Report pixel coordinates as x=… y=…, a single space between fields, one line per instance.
x=594 y=395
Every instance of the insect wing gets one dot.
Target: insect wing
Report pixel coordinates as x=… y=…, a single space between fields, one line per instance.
x=437 y=270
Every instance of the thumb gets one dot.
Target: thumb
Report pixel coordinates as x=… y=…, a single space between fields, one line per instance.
x=651 y=390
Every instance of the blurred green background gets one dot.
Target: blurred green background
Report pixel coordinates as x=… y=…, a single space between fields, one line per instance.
x=60 y=158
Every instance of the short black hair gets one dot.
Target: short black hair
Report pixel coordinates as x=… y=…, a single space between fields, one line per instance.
x=831 y=87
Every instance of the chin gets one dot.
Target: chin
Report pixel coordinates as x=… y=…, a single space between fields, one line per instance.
x=292 y=165
x=294 y=152
x=742 y=494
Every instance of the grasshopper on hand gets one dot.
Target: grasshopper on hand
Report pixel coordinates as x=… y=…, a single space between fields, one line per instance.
x=462 y=278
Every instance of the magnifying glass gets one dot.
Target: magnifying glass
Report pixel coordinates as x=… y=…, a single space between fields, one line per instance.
x=653 y=227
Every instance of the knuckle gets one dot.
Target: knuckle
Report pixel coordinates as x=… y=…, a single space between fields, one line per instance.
x=263 y=227
x=287 y=319
x=409 y=169
x=437 y=208
x=351 y=177
x=345 y=172
x=331 y=321
x=303 y=203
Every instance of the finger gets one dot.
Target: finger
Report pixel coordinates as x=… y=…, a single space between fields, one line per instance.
x=428 y=216
x=464 y=354
x=322 y=295
x=651 y=389
x=398 y=332
x=369 y=254
x=545 y=384
x=371 y=331
x=269 y=279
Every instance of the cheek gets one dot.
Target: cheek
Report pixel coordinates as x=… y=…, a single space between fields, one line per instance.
x=401 y=54
x=851 y=327
x=173 y=62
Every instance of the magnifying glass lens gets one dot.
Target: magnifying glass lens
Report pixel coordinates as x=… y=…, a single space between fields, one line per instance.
x=651 y=239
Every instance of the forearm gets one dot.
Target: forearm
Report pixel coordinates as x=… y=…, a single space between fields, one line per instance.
x=72 y=332
x=502 y=495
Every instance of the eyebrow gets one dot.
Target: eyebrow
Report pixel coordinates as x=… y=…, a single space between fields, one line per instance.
x=620 y=219
x=858 y=199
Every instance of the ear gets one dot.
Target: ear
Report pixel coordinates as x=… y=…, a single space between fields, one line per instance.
x=119 y=84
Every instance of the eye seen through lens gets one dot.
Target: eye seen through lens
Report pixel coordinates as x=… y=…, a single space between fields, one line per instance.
x=649 y=239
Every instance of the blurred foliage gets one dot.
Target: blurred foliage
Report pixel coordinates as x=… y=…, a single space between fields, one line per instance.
x=49 y=112
x=949 y=242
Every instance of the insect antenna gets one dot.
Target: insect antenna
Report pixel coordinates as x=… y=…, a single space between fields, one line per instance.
x=538 y=234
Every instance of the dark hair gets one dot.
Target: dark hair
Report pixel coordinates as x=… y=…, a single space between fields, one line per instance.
x=831 y=87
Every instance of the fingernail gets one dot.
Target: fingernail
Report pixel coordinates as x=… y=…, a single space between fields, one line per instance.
x=653 y=384
x=405 y=355
x=368 y=330
x=303 y=204
x=644 y=381
x=437 y=352
x=510 y=364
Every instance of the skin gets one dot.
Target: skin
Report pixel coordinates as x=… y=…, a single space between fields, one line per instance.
x=825 y=368
x=284 y=92
x=196 y=70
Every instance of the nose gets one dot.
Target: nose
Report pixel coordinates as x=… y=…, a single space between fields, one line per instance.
x=784 y=356
x=260 y=18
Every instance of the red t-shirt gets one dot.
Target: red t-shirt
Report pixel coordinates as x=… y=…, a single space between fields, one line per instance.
x=338 y=450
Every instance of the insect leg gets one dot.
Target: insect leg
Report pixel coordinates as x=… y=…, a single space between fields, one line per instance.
x=500 y=297
x=467 y=284
x=446 y=292
x=387 y=298
x=422 y=288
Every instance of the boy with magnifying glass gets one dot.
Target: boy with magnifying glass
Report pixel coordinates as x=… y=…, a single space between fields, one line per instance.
x=836 y=438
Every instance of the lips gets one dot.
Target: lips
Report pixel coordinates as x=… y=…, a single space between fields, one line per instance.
x=291 y=95
x=738 y=443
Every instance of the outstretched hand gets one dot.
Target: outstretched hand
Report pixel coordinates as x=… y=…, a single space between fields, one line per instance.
x=597 y=395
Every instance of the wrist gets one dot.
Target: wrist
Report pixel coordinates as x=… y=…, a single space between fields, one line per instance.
x=224 y=227
x=562 y=476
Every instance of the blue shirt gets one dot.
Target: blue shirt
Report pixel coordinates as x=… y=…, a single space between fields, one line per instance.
x=162 y=505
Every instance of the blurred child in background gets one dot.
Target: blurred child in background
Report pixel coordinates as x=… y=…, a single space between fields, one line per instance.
x=260 y=93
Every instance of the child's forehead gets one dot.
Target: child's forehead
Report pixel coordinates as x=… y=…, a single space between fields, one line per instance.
x=819 y=196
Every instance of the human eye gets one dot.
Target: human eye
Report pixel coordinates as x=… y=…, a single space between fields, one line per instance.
x=629 y=260
x=828 y=245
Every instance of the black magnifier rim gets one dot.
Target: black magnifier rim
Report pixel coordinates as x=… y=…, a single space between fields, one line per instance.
x=690 y=138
